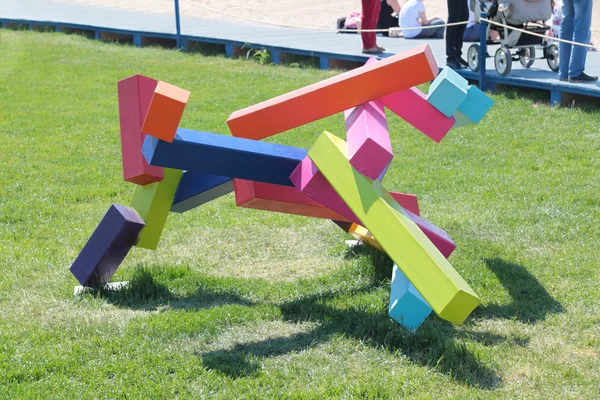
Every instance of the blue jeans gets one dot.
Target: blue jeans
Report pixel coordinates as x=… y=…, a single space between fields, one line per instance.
x=575 y=27
x=433 y=33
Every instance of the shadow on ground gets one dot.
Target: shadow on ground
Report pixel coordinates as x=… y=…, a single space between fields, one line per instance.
x=144 y=292
x=437 y=344
x=531 y=302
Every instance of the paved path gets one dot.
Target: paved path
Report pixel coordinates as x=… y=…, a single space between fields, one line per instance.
x=301 y=41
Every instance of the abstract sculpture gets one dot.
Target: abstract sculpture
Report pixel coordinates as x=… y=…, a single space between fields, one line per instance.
x=178 y=169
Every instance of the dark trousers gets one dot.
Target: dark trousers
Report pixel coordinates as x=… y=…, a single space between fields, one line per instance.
x=458 y=11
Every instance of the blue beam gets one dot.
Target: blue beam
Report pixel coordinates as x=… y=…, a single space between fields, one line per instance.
x=196 y=189
x=224 y=155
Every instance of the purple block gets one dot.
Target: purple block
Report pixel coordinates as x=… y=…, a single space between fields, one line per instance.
x=107 y=247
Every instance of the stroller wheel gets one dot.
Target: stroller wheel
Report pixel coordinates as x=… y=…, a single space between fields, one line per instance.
x=527 y=56
x=473 y=57
x=551 y=53
x=503 y=61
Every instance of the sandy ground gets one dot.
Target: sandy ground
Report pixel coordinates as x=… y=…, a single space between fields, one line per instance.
x=304 y=13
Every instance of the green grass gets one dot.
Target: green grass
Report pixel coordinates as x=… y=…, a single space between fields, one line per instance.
x=239 y=303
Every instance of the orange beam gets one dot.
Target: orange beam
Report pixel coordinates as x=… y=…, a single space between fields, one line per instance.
x=336 y=94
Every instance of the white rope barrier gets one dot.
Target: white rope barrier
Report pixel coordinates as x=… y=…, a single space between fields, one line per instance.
x=395 y=29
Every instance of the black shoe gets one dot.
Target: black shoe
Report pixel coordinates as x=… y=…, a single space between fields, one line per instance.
x=462 y=62
x=454 y=64
x=560 y=78
x=583 y=78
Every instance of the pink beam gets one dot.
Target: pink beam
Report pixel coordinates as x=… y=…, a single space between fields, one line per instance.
x=412 y=106
x=369 y=145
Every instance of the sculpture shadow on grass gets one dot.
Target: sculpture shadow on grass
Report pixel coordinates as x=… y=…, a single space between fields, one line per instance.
x=531 y=302
x=434 y=345
x=145 y=292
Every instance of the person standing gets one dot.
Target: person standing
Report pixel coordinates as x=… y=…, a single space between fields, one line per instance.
x=577 y=20
x=386 y=20
x=458 y=11
x=370 y=14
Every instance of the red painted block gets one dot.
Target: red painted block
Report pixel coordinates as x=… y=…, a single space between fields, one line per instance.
x=135 y=94
x=407 y=201
x=335 y=94
x=369 y=145
x=278 y=198
x=165 y=112
x=412 y=106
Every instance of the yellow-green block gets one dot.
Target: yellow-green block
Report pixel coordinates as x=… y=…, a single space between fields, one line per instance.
x=422 y=263
x=153 y=203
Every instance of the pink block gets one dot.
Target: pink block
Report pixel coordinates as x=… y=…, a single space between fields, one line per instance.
x=135 y=94
x=438 y=236
x=412 y=106
x=369 y=145
x=310 y=182
x=407 y=201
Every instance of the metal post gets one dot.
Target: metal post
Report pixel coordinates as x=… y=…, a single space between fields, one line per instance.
x=178 y=24
x=482 y=51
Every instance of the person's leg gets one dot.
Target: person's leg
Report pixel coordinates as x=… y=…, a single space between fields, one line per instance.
x=463 y=9
x=369 y=21
x=454 y=14
x=582 y=20
x=430 y=30
x=566 y=33
x=438 y=33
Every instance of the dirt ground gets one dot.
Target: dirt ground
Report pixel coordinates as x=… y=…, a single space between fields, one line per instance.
x=305 y=13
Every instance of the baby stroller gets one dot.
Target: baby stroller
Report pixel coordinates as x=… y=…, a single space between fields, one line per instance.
x=528 y=15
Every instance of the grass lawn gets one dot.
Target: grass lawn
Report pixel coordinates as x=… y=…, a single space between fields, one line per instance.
x=239 y=303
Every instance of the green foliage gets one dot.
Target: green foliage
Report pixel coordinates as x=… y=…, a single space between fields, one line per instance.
x=262 y=56
x=240 y=303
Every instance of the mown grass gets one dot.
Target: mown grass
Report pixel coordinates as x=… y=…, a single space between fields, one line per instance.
x=239 y=303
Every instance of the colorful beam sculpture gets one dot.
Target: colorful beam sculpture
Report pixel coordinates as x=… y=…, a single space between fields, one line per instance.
x=473 y=108
x=362 y=234
x=165 y=112
x=153 y=203
x=196 y=189
x=107 y=247
x=277 y=198
x=135 y=94
x=412 y=106
x=309 y=181
x=332 y=180
x=448 y=91
x=439 y=283
x=335 y=94
x=369 y=145
x=222 y=155
x=407 y=306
